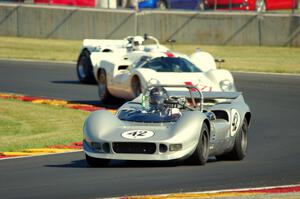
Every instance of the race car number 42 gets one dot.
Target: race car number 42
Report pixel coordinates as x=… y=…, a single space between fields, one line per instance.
x=137 y=134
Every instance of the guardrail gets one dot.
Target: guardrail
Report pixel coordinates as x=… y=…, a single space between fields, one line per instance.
x=220 y=28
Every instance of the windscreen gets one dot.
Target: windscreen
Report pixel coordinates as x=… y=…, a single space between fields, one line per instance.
x=147 y=116
x=170 y=64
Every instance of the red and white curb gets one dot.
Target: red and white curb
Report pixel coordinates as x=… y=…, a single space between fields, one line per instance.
x=223 y=193
x=72 y=147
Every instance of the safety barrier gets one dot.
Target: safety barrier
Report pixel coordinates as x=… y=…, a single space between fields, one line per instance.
x=220 y=28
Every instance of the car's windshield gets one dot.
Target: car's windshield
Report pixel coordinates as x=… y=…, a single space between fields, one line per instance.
x=168 y=64
x=147 y=116
x=141 y=61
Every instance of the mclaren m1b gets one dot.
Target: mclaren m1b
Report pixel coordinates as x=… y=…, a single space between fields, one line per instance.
x=165 y=123
x=124 y=68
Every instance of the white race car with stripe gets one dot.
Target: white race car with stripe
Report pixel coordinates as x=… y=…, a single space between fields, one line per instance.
x=124 y=68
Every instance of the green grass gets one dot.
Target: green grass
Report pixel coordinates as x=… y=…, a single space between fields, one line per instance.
x=39 y=49
x=252 y=58
x=238 y=58
x=26 y=125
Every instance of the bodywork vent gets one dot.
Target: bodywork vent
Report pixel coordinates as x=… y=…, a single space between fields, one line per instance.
x=134 y=147
x=221 y=114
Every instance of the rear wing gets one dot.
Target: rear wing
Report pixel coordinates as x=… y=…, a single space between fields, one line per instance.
x=207 y=95
x=104 y=42
x=191 y=91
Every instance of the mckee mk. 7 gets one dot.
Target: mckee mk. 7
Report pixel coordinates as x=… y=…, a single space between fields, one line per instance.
x=170 y=122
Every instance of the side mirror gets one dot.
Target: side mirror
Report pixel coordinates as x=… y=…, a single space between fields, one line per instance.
x=219 y=60
x=145 y=36
x=171 y=41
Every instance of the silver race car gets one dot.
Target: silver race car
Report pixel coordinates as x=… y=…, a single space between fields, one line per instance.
x=170 y=122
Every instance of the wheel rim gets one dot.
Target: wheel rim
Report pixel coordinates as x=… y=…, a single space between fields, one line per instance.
x=260 y=6
x=204 y=140
x=81 y=69
x=102 y=85
x=244 y=140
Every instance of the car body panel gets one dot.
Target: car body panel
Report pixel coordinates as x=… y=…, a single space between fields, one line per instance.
x=103 y=127
x=118 y=60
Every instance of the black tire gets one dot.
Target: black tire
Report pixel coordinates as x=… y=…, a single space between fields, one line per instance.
x=239 y=150
x=136 y=86
x=162 y=5
x=96 y=162
x=103 y=92
x=84 y=68
x=200 y=155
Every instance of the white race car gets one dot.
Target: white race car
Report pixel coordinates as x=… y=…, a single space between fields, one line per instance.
x=124 y=68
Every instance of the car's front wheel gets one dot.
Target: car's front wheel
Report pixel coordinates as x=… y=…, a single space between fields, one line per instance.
x=96 y=162
x=84 y=68
x=200 y=155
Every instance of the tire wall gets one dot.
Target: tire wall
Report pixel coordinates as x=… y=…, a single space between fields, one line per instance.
x=218 y=28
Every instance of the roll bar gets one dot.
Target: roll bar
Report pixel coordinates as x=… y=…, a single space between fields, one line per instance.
x=146 y=37
x=191 y=88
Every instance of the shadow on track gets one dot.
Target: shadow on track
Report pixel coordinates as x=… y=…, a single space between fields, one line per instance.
x=113 y=104
x=128 y=164
x=67 y=82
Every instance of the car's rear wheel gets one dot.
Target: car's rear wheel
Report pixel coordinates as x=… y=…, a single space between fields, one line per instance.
x=102 y=86
x=96 y=162
x=136 y=86
x=200 y=155
x=84 y=68
x=239 y=150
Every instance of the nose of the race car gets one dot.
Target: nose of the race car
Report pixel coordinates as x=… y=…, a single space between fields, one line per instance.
x=140 y=133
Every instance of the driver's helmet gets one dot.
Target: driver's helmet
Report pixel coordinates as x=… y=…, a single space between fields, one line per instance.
x=137 y=43
x=157 y=97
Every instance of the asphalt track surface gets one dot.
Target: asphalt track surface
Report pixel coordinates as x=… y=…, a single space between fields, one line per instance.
x=273 y=156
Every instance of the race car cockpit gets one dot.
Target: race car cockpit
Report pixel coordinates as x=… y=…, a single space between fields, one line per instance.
x=155 y=109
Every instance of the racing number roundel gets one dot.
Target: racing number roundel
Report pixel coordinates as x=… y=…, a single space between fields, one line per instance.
x=235 y=121
x=137 y=134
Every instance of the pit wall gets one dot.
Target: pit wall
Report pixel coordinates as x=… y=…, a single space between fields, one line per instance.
x=218 y=28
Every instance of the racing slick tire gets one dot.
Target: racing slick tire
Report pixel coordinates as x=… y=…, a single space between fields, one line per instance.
x=136 y=86
x=96 y=162
x=239 y=150
x=102 y=86
x=200 y=155
x=84 y=68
